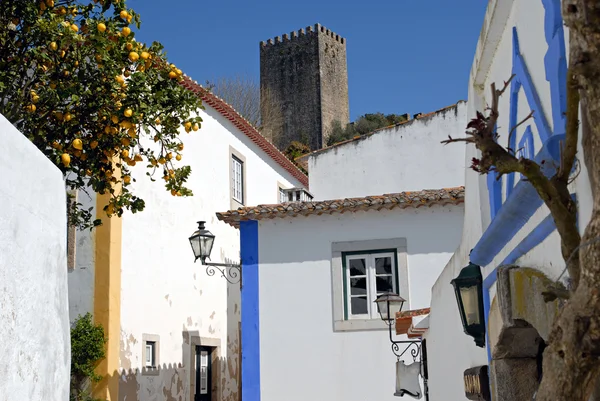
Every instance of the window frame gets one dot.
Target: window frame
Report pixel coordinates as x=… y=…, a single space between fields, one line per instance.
x=155 y=341
x=397 y=246
x=280 y=191
x=370 y=273
x=234 y=155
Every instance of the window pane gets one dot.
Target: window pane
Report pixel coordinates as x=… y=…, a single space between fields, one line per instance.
x=357 y=267
x=383 y=265
x=359 y=306
x=385 y=283
x=358 y=286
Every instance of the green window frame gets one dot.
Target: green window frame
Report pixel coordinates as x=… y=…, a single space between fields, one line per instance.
x=370 y=276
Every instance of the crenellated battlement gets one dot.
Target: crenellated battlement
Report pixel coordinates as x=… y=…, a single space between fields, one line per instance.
x=316 y=29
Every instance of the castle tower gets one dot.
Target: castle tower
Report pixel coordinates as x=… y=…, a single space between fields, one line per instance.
x=304 y=86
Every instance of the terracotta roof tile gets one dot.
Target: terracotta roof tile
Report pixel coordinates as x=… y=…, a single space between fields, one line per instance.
x=405 y=325
x=227 y=111
x=403 y=200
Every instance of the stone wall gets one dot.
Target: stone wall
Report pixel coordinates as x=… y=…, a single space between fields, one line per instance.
x=305 y=74
x=34 y=318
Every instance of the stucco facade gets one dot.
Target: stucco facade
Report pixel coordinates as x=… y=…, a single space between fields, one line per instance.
x=154 y=292
x=505 y=221
x=35 y=355
x=404 y=157
x=295 y=318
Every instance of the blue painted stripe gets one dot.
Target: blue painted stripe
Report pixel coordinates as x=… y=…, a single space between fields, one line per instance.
x=250 y=317
x=517 y=209
x=533 y=239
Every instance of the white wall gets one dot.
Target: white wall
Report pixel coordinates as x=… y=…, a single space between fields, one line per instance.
x=450 y=351
x=407 y=157
x=35 y=354
x=163 y=292
x=302 y=357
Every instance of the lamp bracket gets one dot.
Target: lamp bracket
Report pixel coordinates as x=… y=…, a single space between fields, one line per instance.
x=413 y=345
x=231 y=272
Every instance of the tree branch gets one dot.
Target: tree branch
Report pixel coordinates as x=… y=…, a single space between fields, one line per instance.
x=572 y=129
x=530 y=115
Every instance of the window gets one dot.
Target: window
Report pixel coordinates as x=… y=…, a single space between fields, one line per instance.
x=150 y=354
x=366 y=276
x=360 y=271
x=237 y=182
x=237 y=178
x=282 y=195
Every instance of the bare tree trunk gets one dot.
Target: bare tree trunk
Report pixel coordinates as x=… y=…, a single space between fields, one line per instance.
x=571 y=360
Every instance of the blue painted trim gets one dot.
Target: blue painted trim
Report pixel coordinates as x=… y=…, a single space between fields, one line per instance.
x=250 y=315
x=533 y=239
x=555 y=63
x=517 y=210
x=526 y=145
x=524 y=78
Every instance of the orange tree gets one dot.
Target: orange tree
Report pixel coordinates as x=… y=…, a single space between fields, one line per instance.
x=75 y=81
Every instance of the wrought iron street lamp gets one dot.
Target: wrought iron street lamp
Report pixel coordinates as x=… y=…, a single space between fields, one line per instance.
x=388 y=304
x=202 y=242
x=468 y=288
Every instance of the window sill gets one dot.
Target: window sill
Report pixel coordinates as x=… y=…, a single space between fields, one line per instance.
x=235 y=204
x=359 y=325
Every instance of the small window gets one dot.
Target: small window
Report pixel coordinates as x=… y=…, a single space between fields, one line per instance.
x=366 y=276
x=237 y=179
x=282 y=195
x=150 y=354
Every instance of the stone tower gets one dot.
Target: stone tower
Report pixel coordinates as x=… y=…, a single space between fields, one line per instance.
x=304 y=86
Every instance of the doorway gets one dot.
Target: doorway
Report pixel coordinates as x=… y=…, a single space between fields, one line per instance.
x=203 y=364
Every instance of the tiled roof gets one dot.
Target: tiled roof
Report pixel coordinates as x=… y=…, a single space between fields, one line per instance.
x=405 y=324
x=227 y=111
x=403 y=200
x=303 y=160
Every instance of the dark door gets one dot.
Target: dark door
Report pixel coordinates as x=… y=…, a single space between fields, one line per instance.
x=203 y=374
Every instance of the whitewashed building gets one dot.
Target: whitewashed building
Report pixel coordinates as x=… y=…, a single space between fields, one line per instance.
x=173 y=331
x=507 y=230
x=312 y=269
x=402 y=157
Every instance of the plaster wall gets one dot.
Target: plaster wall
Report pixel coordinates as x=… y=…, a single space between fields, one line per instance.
x=450 y=351
x=163 y=292
x=295 y=286
x=406 y=157
x=35 y=354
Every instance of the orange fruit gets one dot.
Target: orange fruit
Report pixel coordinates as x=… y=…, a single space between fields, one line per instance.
x=187 y=125
x=129 y=46
x=127 y=179
x=124 y=153
x=53 y=46
x=93 y=144
x=145 y=55
x=120 y=79
x=172 y=75
x=124 y=14
x=196 y=127
x=178 y=157
x=126 y=31
x=133 y=56
x=31 y=108
x=74 y=28
x=77 y=144
x=66 y=159
x=128 y=113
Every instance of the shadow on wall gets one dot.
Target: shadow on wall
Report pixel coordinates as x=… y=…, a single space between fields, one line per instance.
x=168 y=382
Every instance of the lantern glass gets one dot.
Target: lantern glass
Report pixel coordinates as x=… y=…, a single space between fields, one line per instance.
x=388 y=304
x=469 y=300
x=468 y=288
x=202 y=242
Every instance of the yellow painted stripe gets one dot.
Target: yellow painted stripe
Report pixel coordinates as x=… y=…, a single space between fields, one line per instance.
x=107 y=297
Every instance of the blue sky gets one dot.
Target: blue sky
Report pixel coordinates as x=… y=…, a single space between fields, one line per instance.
x=404 y=56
